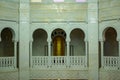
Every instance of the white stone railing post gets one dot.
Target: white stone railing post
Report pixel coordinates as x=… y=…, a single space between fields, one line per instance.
x=102 y=52
x=15 y=53
x=86 y=53
x=68 y=52
x=49 y=53
x=31 y=42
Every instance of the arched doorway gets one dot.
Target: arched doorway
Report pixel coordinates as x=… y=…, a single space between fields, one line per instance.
x=110 y=44
x=8 y=49
x=77 y=44
x=109 y=49
x=6 y=45
x=40 y=47
x=58 y=42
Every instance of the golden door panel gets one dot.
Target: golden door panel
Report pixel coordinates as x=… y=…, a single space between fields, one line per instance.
x=58 y=46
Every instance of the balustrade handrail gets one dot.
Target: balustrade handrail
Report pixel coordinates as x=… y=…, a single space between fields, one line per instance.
x=59 y=61
x=111 y=61
x=78 y=61
x=7 y=62
x=6 y=57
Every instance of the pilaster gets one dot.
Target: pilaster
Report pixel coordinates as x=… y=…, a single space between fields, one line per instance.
x=93 y=39
x=15 y=53
x=31 y=43
x=86 y=53
x=24 y=40
x=102 y=53
x=119 y=53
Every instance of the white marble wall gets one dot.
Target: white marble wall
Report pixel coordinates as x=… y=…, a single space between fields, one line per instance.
x=9 y=10
x=30 y=21
x=109 y=9
x=58 y=12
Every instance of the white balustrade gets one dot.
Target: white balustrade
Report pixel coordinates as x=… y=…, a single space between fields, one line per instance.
x=7 y=62
x=111 y=62
x=78 y=61
x=39 y=61
x=59 y=62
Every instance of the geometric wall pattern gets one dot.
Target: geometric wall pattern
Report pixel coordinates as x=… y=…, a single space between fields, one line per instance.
x=110 y=75
x=62 y=74
x=12 y=75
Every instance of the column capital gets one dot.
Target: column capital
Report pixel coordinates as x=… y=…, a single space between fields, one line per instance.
x=49 y=41
x=68 y=40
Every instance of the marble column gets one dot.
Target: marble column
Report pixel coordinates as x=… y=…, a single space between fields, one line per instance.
x=86 y=53
x=68 y=53
x=24 y=31
x=93 y=39
x=102 y=53
x=15 y=54
x=31 y=43
x=49 y=53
